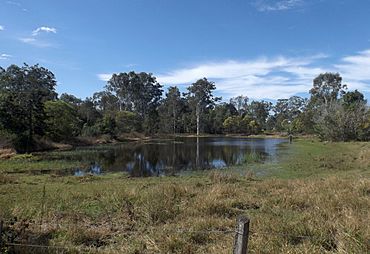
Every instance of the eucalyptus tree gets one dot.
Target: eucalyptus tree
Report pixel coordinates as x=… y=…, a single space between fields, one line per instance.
x=23 y=92
x=71 y=99
x=338 y=115
x=88 y=112
x=62 y=121
x=327 y=87
x=240 y=103
x=105 y=101
x=353 y=98
x=171 y=109
x=135 y=91
x=201 y=99
x=218 y=115
x=139 y=93
x=288 y=110
x=259 y=111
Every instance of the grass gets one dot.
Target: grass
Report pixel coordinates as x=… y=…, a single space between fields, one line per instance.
x=315 y=200
x=31 y=163
x=50 y=161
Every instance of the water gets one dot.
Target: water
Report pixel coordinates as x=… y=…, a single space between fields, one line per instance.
x=170 y=157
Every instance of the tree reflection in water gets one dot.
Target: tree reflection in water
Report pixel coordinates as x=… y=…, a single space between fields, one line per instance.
x=168 y=157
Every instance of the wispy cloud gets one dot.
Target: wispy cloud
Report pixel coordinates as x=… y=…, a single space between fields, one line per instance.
x=2 y=28
x=107 y=76
x=277 y=5
x=355 y=70
x=35 y=41
x=5 y=56
x=16 y=4
x=45 y=29
x=270 y=77
x=262 y=78
x=104 y=76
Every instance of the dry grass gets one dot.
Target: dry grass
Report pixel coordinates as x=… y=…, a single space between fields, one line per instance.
x=6 y=153
x=326 y=213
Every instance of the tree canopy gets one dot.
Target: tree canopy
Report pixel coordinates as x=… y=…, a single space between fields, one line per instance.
x=134 y=102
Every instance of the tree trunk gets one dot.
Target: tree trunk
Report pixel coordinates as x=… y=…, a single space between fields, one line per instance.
x=197 y=156
x=174 y=121
x=30 y=130
x=198 y=119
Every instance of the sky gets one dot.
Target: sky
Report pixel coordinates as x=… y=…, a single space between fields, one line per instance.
x=264 y=49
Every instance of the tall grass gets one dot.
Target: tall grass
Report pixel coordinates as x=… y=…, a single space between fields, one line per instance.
x=327 y=212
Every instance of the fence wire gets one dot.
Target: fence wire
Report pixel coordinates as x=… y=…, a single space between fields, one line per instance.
x=181 y=231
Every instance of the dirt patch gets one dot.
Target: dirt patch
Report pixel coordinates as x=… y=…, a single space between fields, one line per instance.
x=7 y=153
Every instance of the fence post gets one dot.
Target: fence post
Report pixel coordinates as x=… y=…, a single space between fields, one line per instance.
x=1 y=235
x=241 y=235
x=42 y=206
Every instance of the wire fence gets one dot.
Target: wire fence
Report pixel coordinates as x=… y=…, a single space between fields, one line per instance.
x=227 y=231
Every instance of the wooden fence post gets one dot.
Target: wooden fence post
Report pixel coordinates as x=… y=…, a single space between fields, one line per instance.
x=241 y=235
x=1 y=235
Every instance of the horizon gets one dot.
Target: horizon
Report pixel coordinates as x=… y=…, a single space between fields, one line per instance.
x=263 y=49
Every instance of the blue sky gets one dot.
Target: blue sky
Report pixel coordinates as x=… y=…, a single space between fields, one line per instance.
x=265 y=49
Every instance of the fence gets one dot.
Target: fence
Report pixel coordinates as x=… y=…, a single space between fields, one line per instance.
x=241 y=233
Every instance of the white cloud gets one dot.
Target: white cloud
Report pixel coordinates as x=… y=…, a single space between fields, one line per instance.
x=5 y=56
x=105 y=76
x=17 y=5
x=277 y=5
x=14 y=3
x=2 y=28
x=355 y=70
x=261 y=78
x=28 y=40
x=46 y=29
x=36 y=42
x=270 y=77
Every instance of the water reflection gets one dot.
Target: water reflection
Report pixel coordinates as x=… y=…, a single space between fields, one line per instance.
x=171 y=156
x=93 y=170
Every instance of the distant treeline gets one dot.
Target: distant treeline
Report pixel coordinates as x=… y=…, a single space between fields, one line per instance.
x=31 y=110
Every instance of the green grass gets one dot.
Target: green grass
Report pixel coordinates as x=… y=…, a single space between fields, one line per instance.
x=50 y=161
x=311 y=158
x=315 y=200
x=23 y=166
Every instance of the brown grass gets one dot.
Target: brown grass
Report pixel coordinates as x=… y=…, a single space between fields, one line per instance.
x=328 y=212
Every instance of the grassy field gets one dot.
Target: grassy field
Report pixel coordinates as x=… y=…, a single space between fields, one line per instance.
x=316 y=199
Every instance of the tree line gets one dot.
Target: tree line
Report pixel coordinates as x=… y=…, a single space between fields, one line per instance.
x=31 y=110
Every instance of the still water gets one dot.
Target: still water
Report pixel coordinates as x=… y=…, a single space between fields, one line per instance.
x=169 y=157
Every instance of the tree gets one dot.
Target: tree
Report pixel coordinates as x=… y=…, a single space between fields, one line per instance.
x=135 y=91
x=105 y=101
x=127 y=121
x=201 y=98
x=70 y=99
x=139 y=93
x=23 y=92
x=259 y=111
x=217 y=117
x=171 y=109
x=237 y=124
x=62 y=121
x=352 y=99
x=107 y=125
x=240 y=103
x=287 y=111
x=326 y=88
x=88 y=112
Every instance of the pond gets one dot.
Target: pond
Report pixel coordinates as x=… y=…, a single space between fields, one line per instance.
x=170 y=157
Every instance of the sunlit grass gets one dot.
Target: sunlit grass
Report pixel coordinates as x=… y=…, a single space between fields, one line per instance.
x=317 y=201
